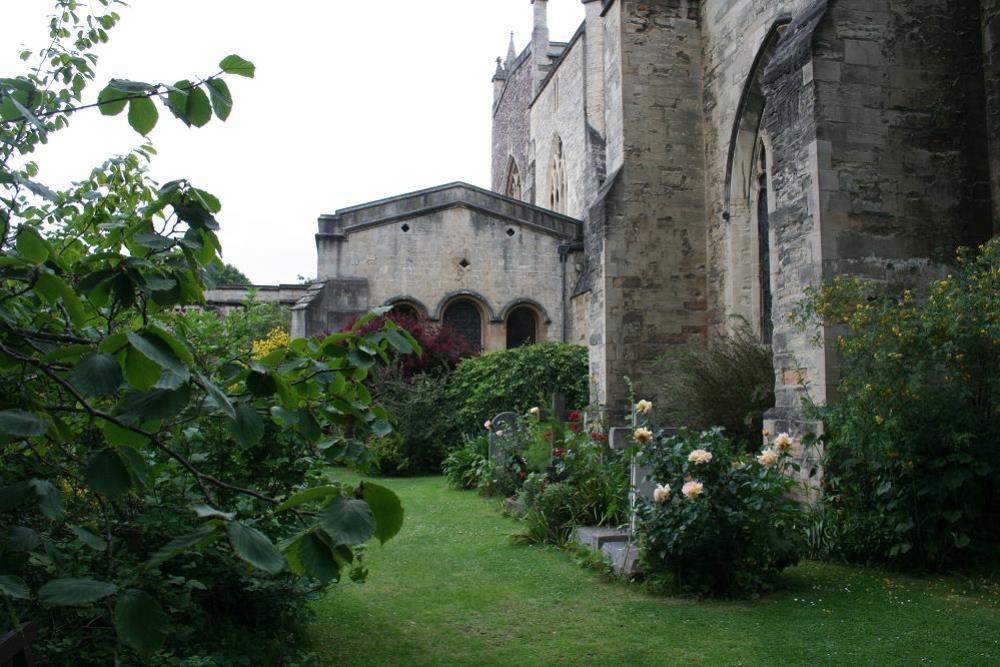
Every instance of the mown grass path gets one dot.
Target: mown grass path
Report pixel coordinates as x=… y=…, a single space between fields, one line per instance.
x=450 y=589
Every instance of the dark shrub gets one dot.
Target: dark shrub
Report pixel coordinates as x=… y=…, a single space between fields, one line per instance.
x=728 y=383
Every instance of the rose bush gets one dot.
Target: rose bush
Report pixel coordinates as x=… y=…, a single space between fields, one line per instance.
x=733 y=527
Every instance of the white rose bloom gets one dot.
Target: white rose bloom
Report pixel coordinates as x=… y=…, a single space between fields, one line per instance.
x=699 y=456
x=642 y=435
x=783 y=442
x=767 y=458
x=643 y=406
x=534 y=410
x=661 y=493
x=692 y=489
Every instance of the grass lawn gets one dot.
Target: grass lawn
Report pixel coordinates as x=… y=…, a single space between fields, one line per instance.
x=451 y=589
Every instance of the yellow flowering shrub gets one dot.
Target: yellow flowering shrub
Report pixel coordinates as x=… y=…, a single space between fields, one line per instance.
x=276 y=339
x=912 y=464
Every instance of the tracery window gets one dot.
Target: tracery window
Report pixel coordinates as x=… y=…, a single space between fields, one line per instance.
x=513 y=187
x=763 y=248
x=557 y=178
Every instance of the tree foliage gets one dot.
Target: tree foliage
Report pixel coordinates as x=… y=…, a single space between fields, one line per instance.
x=142 y=463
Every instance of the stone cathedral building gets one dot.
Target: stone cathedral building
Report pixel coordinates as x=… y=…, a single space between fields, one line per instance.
x=678 y=161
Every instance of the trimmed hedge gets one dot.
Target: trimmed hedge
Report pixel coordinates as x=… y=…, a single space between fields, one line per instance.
x=515 y=380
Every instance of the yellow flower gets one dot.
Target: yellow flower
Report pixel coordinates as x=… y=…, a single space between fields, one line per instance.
x=661 y=493
x=879 y=419
x=692 y=489
x=642 y=435
x=699 y=456
x=276 y=339
x=643 y=406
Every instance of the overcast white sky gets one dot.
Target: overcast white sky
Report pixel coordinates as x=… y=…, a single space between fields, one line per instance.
x=353 y=101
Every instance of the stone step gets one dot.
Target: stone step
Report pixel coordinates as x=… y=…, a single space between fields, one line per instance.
x=622 y=557
x=595 y=537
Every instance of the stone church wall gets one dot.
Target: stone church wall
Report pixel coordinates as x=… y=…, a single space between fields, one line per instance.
x=653 y=217
x=511 y=126
x=558 y=110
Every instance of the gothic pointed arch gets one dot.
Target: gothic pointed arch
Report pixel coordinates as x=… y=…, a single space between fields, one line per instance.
x=748 y=196
x=744 y=140
x=557 y=176
x=512 y=187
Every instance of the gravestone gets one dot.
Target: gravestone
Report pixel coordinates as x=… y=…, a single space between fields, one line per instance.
x=502 y=422
x=641 y=484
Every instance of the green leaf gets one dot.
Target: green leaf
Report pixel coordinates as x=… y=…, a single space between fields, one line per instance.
x=247 y=427
x=97 y=375
x=14 y=587
x=132 y=87
x=236 y=65
x=137 y=465
x=112 y=101
x=116 y=435
x=108 y=475
x=93 y=541
x=255 y=548
x=217 y=397
x=31 y=245
x=961 y=540
x=398 y=341
x=209 y=512
x=74 y=592
x=49 y=498
x=140 y=371
x=222 y=99
x=316 y=558
x=386 y=508
x=198 y=109
x=140 y=622
x=199 y=538
x=22 y=424
x=176 y=100
x=20 y=538
x=381 y=428
x=261 y=385
x=152 y=405
x=158 y=350
x=348 y=520
x=302 y=497
x=52 y=287
x=142 y=115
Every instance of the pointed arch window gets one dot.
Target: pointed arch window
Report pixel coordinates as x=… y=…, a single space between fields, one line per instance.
x=513 y=187
x=763 y=248
x=557 y=177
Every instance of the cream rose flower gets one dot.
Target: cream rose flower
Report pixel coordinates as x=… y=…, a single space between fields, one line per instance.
x=643 y=406
x=661 y=493
x=642 y=435
x=699 y=456
x=487 y=424
x=767 y=458
x=534 y=410
x=783 y=442
x=692 y=489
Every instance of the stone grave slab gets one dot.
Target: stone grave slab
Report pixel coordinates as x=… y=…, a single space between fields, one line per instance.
x=595 y=537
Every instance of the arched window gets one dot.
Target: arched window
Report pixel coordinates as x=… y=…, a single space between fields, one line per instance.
x=463 y=316
x=513 y=187
x=522 y=327
x=557 y=177
x=763 y=248
x=404 y=309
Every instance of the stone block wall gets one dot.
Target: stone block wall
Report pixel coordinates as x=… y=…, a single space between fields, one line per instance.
x=559 y=109
x=653 y=218
x=511 y=126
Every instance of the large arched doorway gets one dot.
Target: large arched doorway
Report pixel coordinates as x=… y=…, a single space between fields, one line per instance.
x=522 y=327
x=466 y=319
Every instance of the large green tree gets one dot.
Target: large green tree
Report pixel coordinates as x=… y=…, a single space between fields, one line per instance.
x=138 y=467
